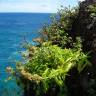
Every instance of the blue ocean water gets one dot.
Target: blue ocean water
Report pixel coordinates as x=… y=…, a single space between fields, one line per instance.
x=14 y=27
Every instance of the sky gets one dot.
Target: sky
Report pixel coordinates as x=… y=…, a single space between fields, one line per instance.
x=41 y=6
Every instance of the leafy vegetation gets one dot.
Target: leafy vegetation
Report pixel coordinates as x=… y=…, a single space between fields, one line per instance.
x=48 y=62
x=57 y=31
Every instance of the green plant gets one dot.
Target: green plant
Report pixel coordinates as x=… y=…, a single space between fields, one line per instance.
x=58 y=31
x=50 y=63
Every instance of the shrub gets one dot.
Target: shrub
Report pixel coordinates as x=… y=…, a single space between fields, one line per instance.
x=50 y=64
x=59 y=29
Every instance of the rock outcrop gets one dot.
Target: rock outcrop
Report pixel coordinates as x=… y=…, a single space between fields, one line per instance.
x=85 y=27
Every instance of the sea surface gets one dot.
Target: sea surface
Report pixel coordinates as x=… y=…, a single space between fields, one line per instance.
x=15 y=28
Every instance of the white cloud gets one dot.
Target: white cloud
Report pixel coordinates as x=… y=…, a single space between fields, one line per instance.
x=27 y=7
x=81 y=0
x=44 y=7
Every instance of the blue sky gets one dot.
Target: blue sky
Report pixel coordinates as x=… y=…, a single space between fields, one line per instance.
x=43 y=6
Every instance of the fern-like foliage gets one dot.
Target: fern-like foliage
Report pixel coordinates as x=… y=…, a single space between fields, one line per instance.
x=51 y=63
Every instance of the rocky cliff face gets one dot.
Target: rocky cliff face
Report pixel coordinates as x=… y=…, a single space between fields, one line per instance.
x=85 y=27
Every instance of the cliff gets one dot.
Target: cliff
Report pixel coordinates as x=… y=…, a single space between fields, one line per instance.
x=84 y=26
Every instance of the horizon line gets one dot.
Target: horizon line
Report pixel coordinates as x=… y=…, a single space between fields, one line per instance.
x=32 y=12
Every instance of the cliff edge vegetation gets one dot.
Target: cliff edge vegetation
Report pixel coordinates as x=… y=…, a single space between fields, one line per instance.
x=62 y=61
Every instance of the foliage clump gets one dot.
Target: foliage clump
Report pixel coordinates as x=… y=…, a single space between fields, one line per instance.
x=51 y=63
x=59 y=30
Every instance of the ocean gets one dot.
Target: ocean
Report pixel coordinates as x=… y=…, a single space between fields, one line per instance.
x=14 y=29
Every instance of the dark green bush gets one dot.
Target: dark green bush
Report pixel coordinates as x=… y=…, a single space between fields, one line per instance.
x=58 y=31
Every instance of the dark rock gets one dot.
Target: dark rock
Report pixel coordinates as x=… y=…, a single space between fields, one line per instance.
x=84 y=26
